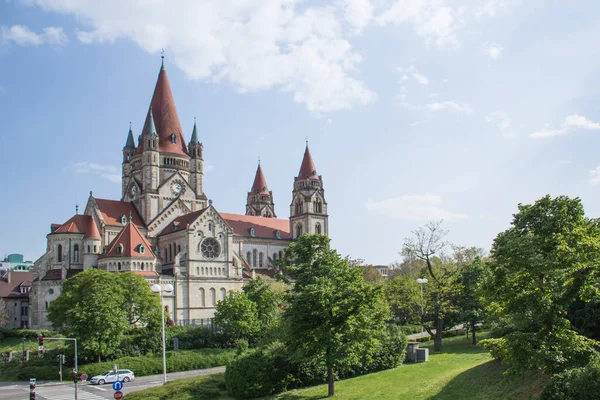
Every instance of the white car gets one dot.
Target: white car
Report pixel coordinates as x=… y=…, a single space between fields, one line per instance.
x=124 y=375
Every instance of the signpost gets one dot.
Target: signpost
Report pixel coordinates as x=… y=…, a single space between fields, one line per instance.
x=32 y=389
x=84 y=377
x=118 y=395
x=41 y=347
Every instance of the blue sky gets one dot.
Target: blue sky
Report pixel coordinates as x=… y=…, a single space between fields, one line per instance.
x=415 y=110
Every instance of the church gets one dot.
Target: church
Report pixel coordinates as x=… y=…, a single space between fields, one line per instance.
x=166 y=229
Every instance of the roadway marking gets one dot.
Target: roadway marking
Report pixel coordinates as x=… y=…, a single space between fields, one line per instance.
x=64 y=392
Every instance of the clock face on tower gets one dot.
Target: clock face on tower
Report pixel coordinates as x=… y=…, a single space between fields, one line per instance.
x=176 y=187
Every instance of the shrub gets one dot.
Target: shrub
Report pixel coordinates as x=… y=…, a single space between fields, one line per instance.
x=29 y=334
x=258 y=373
x=578 y=383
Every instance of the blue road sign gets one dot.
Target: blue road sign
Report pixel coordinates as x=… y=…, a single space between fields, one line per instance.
x=117 y=385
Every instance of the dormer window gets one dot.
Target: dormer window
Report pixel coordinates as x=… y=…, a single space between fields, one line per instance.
x=124 y=220
x=252 y=232
x=120 y=249
x=278 y=234
x=141 y=249
x=173 y=138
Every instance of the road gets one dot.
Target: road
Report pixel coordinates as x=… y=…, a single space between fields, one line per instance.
x=66 y=391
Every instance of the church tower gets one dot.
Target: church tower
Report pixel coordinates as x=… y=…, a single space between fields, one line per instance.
x=308 y=211
x=260 y=199
x=128 y=153
x=150 y=170
x=196 y=162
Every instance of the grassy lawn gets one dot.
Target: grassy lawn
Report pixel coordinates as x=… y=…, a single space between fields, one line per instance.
x=17 y=344
x=461 y=371
x=197 y=388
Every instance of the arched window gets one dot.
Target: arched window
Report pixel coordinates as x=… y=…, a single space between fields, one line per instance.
x=197 y=270
x=318 y=228
x=143 y=266
x=173 y=138
x=210 y=226
x=223 y=293
x=202 y=298
x=298 y=207
x=120 y=249
x=170 y=252
x=280 y=254
x=59 y=251
x=318 y=206
x=119 y=266
x=76 y=253
x=141 y=249
x=88 y=248
x=46 y=306
x=298 y=230
x=274 y=256
x=213 y=297
x=260 y=260
x=248 y=257
x=95 y=249
x=254 y=258
x=178 y=248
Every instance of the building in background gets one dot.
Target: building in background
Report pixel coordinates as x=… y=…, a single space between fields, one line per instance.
x=15 y=262
x=14 y=299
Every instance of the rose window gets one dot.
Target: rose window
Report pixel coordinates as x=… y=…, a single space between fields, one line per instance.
x=210 y=248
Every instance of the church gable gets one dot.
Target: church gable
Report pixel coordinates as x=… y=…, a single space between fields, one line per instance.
x=177 y=208
x=176 y=186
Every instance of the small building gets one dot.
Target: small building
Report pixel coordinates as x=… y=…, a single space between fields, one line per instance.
x=15 y=262
x=14 y=299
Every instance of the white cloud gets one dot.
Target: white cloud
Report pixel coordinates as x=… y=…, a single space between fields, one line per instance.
x=432 y=19
x=414 y=208
x=105 y=171
x=412 y=73
x=572 y=122
x=489 y=8
x=296 y=47
x=23 y=36
x=450 y=106
x=494 y=51
x=358 y=13
x=595 y=176
x=502 y=121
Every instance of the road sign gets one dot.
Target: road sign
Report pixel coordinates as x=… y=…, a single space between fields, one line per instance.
x=118 y=395
x=32 y=381
x=75 y=370
x=117 y=385
x=40 y=348
x=84 y=377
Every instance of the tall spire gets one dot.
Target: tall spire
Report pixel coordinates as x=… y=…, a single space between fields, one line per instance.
x=194 y=133
x=130 y=143
x=307 y=169
x=165 y=117
x=149 y=127
x=260 y=183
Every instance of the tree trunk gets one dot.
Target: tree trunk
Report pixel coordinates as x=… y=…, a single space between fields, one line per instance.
x=331 y=380
x=437 y=340
x=99 y=358
x=467 y=331
x=473 y=333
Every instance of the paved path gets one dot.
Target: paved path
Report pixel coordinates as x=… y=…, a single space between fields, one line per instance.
x=66 y=391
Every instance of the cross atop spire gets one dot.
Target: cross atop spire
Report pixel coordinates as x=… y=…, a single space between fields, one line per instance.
x=162 y=57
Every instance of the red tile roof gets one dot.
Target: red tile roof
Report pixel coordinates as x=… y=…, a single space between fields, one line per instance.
x=308 y=169
x=181 y=222
x=263 y=227
x=80 y=224
x=260 y=183
x=131 y=240
x=17 y=279
x=165 y=118
x=113 y=210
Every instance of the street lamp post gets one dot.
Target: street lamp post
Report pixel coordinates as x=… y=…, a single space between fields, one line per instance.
x=168 y=288
x=421 y=281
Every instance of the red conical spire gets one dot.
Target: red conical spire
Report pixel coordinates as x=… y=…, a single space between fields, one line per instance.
x=260 y=183
x=308 y=169
x=165 y=117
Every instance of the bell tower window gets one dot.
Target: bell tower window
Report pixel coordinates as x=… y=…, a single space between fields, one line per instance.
x=173 y=138
x=298 y=230
x=318 y=228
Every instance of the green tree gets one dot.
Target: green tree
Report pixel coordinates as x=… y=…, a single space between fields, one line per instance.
x=139 y=302
x=94 y=308
x=470 y=300
x=237 y=315
x=427 y=244
x=402 y=294
x=333 y=314
x=541 y=265
x=266 y=299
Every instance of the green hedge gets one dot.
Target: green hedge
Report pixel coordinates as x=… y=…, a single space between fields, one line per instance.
x=577 y=383
x=29 y=334
x=184 y=360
